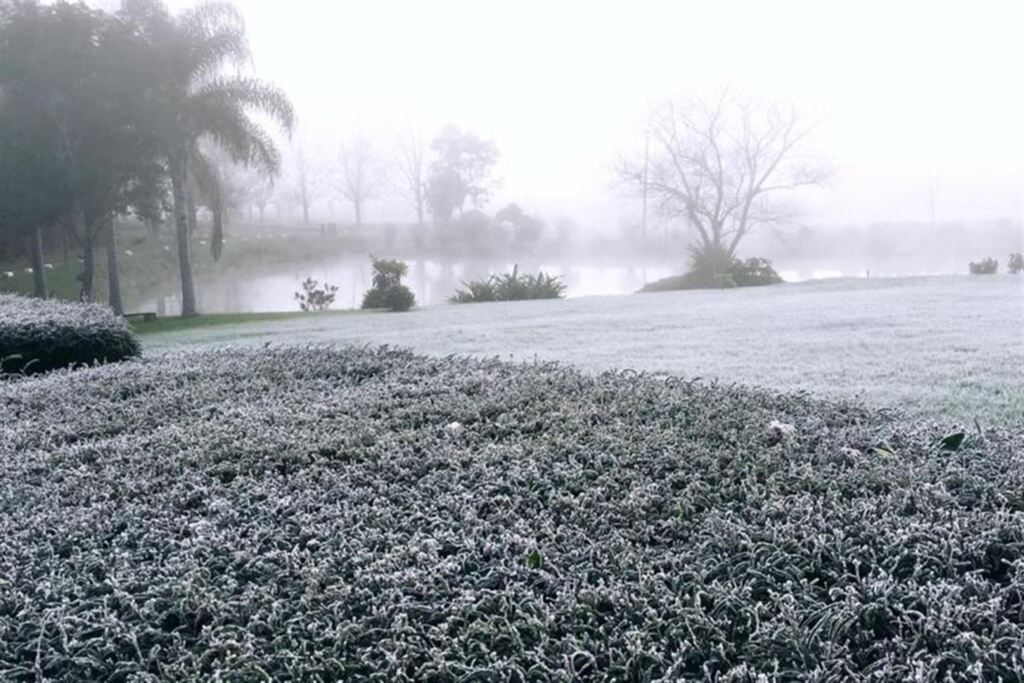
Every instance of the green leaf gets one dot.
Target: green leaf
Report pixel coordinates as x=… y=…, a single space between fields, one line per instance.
x=534 y=560
x=952 y=442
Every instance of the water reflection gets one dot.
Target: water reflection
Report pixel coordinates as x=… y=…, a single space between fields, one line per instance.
x=433 y=281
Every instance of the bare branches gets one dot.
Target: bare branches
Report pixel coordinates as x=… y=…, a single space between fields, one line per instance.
x=714 y=163
x=412 y=168
x=361 y=177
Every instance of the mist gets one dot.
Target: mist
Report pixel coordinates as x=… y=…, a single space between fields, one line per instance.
x=914 y=96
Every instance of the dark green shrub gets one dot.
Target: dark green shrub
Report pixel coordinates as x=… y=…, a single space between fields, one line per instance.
x=986 y=266
x=39 y=335
x=511 y=287
x=398 y=298
x=388 y=291
x=754 y=272
x=1015 y=264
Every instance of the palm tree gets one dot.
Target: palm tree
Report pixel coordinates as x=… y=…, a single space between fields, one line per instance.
x=196 y=102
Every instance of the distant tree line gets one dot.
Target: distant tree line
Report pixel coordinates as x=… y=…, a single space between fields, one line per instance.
x=128 y=113
x=442 y=178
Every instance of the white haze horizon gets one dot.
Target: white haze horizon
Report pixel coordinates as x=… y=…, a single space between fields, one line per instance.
x=917 y=97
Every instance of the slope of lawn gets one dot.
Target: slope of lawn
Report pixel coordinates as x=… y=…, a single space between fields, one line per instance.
x=937 y=347
x=314 y=514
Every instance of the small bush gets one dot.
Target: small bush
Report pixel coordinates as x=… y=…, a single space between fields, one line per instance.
x=38 y=335
x=754 y=272
x=388 y=291
x=313 y=297
x=393 y=298
x=1015 y=264
x=511 y=287
x=986 y=266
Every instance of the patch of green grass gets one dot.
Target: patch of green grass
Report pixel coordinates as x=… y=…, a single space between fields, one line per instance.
x=179 y=324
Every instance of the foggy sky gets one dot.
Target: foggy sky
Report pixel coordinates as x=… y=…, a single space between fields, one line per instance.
x=914 y=92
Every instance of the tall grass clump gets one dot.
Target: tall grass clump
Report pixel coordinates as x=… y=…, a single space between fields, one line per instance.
x=39 y=335
x=510 y=287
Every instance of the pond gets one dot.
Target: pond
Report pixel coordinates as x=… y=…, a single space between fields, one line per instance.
x=433 y=281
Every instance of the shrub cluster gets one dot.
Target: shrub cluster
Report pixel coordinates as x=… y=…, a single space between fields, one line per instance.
x=312 y=514
x=510 y=287
x=388 y=291
x=986 y=266
x=39 y=335
x=1015 y=264
x=716 y=269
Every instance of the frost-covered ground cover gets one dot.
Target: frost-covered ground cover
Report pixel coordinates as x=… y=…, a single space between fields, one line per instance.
x=37 y=335
x=308 y=514
x=945 y=347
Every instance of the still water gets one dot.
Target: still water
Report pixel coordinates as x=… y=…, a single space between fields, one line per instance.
x=434 y=281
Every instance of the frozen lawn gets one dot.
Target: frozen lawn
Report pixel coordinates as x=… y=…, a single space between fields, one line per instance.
x=301 y=514
x=943 y=347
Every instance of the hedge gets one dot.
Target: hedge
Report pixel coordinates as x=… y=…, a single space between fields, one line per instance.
x=39 y=335
x=317 y=514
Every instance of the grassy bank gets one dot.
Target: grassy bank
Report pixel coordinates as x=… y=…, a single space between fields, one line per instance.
x=198 y=323
x=944 y=347
x=310 y=514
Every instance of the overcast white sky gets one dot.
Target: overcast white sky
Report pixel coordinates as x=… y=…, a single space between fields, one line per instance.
x=912 y=90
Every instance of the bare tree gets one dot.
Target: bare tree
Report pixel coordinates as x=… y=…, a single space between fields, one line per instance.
x=302 y=182
x=719 y=163
x=412 y=169
x=307 y=181
x=361 y=177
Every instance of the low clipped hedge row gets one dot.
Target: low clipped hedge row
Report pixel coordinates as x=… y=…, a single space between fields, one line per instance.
x=314 y=514
x=38 y=335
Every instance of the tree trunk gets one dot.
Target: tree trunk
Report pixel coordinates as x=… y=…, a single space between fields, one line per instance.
x=38 y=272
x=193 y=211
x=359 y=213
x=419 y=209
x=179 y=184
x=81 y=228
x=88 y=269
x=305 y=206
x=113 y=272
